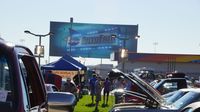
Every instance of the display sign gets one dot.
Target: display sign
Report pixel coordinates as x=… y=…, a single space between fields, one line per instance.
x=66 y=74
x=91 y=40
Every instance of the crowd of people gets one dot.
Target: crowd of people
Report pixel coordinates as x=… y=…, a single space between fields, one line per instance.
x=96 y=86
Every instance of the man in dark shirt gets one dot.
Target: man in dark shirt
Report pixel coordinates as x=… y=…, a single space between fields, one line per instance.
x=92 y=87
x=106 y=91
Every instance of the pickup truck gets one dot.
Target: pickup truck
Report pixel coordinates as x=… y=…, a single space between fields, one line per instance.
x=22 y=87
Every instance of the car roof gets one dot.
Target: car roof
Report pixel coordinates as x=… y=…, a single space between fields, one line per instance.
x=18 y=49
x=173 y=79
x=176 y=75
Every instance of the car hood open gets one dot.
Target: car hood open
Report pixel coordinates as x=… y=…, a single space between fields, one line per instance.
x=148 y=90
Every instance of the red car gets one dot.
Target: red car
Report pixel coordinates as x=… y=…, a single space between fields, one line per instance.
x=22 y=86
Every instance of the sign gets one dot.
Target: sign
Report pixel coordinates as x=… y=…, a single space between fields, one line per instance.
x=91 y=40
x=66 y=74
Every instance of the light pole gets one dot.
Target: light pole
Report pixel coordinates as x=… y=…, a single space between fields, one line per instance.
x=70 y=49
x=155 y=44
x=123 y=50
x=39 y=49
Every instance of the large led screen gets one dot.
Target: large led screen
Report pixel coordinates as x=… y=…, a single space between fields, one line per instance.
x=91 y=40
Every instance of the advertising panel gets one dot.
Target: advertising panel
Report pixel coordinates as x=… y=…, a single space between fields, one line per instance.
x=91 y=40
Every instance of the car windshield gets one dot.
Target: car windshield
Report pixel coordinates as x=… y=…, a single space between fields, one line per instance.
x=153 y=82
x=176 y=95
x=167 y=95
x=156 y=85
x=186 y=99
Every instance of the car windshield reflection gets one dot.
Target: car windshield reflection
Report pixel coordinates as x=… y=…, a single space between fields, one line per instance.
x=186 y=99
x=177 y=95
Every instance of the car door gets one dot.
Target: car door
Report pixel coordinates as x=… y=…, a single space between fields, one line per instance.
x=34 y=83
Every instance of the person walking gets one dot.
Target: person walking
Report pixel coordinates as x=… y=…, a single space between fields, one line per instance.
x=98 y=92
x=92 y=87
x=106 y=91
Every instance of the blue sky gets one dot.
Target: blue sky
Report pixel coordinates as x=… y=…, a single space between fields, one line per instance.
x=173 y=24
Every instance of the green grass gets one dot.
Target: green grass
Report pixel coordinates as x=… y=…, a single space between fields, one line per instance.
x=84 y=105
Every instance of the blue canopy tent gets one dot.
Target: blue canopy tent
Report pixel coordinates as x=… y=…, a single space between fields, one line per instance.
x=64 y=67
x=75 y=62
x=61 y=64
x=65 y=63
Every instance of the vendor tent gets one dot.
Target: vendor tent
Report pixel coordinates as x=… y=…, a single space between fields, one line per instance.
x=61 y=64
x=72 y=60
x=65 y=63
x=65 y=67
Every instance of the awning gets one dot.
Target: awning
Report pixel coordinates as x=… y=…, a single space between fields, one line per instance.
x=61 y=64
x=72 y=60
x=65 y=67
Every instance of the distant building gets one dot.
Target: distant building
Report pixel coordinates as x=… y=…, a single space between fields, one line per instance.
x=163 y=63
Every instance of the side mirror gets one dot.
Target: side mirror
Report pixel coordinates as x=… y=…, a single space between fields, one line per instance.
x=61 y=101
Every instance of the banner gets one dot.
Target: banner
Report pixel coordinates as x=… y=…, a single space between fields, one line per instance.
x=91 y=40
x=67 y=74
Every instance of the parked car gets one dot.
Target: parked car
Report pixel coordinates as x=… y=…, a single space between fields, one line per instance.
x=183 y=97
x=173 y=82
x=188 y=98
x=151 y=98
x=193 y=107
x=67 y=102
x=169 y=84
x=22 y=86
